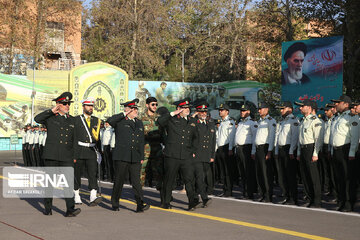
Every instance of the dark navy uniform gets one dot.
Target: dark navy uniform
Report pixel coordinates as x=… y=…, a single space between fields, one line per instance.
x=205 y=151
x=58 y=150
x=179 y=150
x=127 y=155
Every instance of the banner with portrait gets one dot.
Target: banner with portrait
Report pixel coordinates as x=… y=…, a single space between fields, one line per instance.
x=312 y=69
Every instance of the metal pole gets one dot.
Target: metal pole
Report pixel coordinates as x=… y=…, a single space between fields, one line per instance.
x=33 y=96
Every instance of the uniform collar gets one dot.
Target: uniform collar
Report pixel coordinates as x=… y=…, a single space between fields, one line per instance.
x=266 y=117
x=225 y=119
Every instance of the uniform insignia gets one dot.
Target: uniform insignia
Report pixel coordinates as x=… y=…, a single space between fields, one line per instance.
x=318 y=124
x=354 y=123
x=140 y=129
x=313 y=117
x=192 y=124
x=296 y=124
x=212 y=130
x=274 y=125
x=71 y=125
x=255 y=126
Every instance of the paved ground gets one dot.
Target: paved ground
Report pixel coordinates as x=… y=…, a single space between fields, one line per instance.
x=225 y=219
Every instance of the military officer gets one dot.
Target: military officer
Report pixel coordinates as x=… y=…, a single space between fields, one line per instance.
x=106 y=136
x=224 y=152
x=152 y=150
x=36 y=147
x=179 y=151
x=263 y=146
x=128 y=153
x=86 y=150
x=308 y=151
x=27 y=147
x=58 y=151
x=244 y=138
x=23 y=136
x=345 y=143
x=286 y=141
x=205 y=152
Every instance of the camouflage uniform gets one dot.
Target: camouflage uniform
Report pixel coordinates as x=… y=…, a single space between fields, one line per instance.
x=152 y=149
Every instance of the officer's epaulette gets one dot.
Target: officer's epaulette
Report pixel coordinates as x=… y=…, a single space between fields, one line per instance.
x=270 y=118
x=293 y=118
x=313 y=117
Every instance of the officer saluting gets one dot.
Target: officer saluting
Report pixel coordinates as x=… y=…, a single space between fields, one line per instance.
x=205 y=152
x=308 y=150
x=179 y=150
x=58 y=151
x=86 y=145
x=128 y=153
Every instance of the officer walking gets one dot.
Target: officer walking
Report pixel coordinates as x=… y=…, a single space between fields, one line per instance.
x=286 y=141
x=244 y=138
x=308 y=151
x=345 y=143
x=263 y=146
x=224 y=141
x=205 y=152
x=58 y=151
x=179 y=150
x=128 y=153
x=86 y=150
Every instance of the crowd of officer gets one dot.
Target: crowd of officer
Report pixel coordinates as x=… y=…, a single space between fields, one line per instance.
x=158 y=147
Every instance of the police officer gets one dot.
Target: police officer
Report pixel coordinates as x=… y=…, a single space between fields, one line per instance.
x=286 y=141
x=152 y=150
x=263 y=146
x=86 y=150
x=179 y=150
x=58 y=151
x=345 y=143
x=106 y=137
x=224 y=141
x=128 y=153
x=23 y=136
x=244 y=138
x=36 y=148
x=205 y=152
x=308 y=151
x=27 y=148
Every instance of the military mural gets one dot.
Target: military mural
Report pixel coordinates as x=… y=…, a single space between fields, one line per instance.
x=105 y=82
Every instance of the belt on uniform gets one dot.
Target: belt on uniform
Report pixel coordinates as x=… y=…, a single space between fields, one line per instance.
x=342 y=146
x=86 y=144
x=310 y=145
x=283 y=146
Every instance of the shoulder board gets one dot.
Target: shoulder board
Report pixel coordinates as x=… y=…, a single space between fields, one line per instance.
x=318 y=124
x=255 y=126
x=192 y=124
x=296 y=124
x=274 y=125
x=313 y=117
x=354 y=123
x=293 y=118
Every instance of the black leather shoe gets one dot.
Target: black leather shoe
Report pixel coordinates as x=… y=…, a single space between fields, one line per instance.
x=47 y=212
x=116 y=209
x=166 y=206
x=224 y=195
x=95 y=202
x=142 y=207
x=193 y=205
x=206 y=202
x=72 y=212
x=285 y=201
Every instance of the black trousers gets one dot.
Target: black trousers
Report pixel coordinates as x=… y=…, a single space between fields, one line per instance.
x=70 y=203
x=287 y=173
x=328 y=179
x=27 y=153
x=172 y=167
x=109 y=165
x=31 y=155
x=246 y=168
x=310 y=174
x=24 y=155
x=209 y=177
x=346 y=175
x=264 y=173
x=36 y=152
x=225 y=168
x=199 y=183
x=42 y=161
x=121 y=168
x=91 y=167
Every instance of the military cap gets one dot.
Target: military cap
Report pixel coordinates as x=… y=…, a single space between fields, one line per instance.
x=327 y=107
x=65 y=97
x=306 y=102
x=263 y=105
x=343 y=98
x=223 y=106
x=88 y=101
x=245 y=107
x=202 y=106
x=151 y=99
x=298 y=46
x=183 y=103
x=285 y=104
x=354 y=104
x=314 y=105
x=131 y=104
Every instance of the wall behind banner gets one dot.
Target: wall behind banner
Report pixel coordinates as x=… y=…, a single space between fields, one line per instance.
x=323 y=65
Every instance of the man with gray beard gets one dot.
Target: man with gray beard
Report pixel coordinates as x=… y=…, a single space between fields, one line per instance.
x=294 y=58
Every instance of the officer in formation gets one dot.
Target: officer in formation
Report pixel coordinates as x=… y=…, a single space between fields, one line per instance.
x=58 y=150
x=106 y=135
x=86 y=150
x=128 y=153
x=224 y=151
